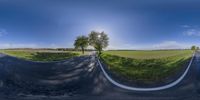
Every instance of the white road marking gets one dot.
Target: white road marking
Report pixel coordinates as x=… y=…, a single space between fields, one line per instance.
x=91 y=67
x=147 y=89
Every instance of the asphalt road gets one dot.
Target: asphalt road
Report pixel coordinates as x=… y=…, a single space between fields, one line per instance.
x=80 y=78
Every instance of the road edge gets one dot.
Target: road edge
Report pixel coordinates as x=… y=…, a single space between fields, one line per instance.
x=147 y=89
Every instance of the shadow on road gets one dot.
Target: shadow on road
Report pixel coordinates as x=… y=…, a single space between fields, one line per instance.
x=72 y=77
x=80 y=78
x=197 y=72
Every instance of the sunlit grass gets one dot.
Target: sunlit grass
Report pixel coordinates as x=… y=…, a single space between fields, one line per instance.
x=42 y=55
x=149 y=54
x=146 y=66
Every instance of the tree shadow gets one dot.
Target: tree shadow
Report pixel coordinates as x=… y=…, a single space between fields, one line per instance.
x=51 y=79
x=48 y=56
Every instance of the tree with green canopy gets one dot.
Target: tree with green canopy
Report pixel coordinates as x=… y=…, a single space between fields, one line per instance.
x=98 y=40
x=193 y=47
x=81 y=42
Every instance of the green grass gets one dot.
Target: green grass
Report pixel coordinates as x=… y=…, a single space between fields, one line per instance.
x=146 y=66
x=148 y=54
x=41 y=55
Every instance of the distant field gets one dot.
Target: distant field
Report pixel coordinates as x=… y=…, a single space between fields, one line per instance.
x=148 y=54
x=146 y=66
x=42 y=55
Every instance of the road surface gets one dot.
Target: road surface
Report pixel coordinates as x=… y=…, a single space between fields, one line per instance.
x=81 y=78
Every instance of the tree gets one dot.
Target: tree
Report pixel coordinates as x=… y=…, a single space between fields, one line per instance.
x=81 y=42
x=98 y=40
x=193 y=47
x=197 y=48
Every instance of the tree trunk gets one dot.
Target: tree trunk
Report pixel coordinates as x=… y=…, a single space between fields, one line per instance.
x=82 y=49
x=99 y=52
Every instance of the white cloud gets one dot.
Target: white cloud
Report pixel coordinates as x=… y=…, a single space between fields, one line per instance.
x=192 y=32
x=165 y=44
x=122 y=46
x=162 y=45
x=185 y=26
x=13 y=45
x=129 y=47
x=32 y=45
x=54 y=45
x=170 y=45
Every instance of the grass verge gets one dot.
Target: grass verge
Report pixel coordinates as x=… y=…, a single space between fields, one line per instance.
x=147 y=54
x=149 y=70
x=41 y=55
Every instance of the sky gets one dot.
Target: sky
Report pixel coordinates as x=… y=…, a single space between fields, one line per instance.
x=130 y=24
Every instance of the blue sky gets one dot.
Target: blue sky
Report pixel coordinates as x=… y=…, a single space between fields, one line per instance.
x=130 y=24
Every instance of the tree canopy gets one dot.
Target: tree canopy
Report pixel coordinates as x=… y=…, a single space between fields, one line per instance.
x=193 y=47
x=81 y=42
x=98 y=40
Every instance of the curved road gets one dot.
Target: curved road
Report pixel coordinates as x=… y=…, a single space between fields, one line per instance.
x=81 y=78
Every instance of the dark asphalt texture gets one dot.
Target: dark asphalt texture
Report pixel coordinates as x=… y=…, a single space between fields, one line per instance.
x=80 y=78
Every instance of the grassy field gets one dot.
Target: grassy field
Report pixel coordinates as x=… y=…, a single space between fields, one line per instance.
x=42 y=55
x=148 y=54
x=146 y=66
